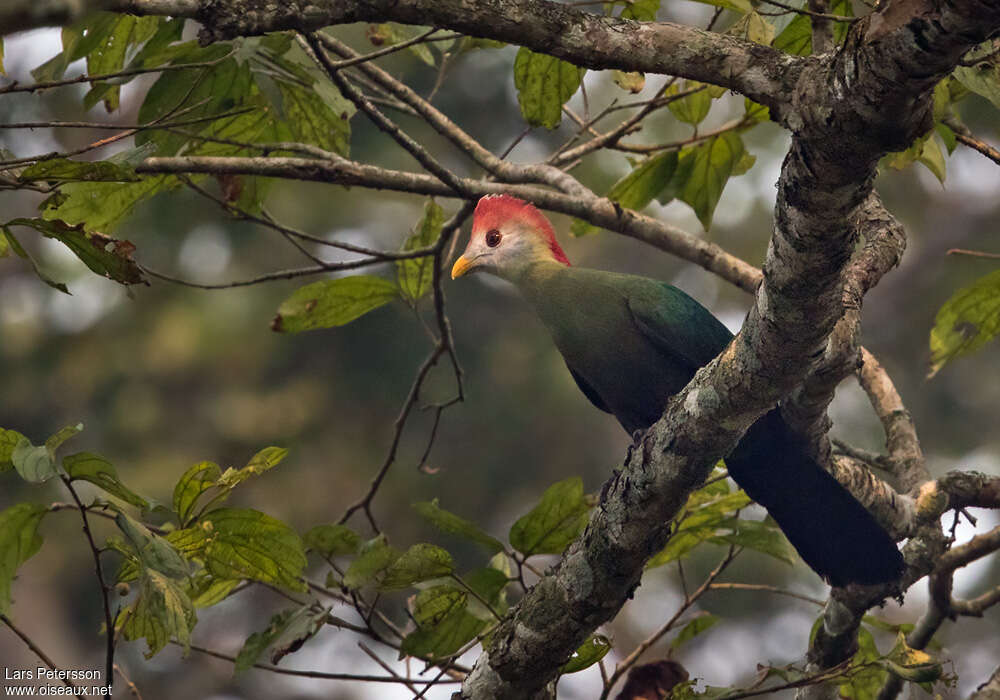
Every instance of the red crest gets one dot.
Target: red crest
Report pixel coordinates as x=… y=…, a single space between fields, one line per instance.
x=494 y=210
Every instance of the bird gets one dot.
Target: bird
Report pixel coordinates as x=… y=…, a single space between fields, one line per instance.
x=632 y=342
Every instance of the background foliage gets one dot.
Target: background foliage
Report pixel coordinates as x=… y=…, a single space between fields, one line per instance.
x=181 y=389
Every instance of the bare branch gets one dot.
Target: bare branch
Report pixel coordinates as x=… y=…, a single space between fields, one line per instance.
x=109 y=620
x=990 y=690
x=598 y=211
x=901 y=434
x=28 y=642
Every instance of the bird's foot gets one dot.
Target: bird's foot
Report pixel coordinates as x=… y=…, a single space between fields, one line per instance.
x=636 y=442
x=608 y=485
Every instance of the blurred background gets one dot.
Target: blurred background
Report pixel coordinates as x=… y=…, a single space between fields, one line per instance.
x=168 y=376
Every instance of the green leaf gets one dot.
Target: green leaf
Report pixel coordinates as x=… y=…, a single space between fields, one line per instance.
x=19 y=541
x=755 y=112
x=104 y=255
x=314 y=121
x=556 y=521
x=8 y=441
x=706 y=515
x=982 y=78
x=266 y=459
x=932 y=157
x=544 y=84
x=966 y=322
x=390 y=34
x=743 y=165
x=108 y=56
x=588 y=654
x=201 y=92
x=374 y=559
x=55 y=441
x=205 y=590
x=196 y=480
x=332 y=540
x=287 y=631
x=753 y=27
x=740 y=6
x=152 y=550
x=641 y=11
x=414 y=275
x=631 y=81
x=3 y=71
x=472 y=43
x=432 y=605
x=446 y=521
x=692 y=629
x=101 y=206
x=761 y=536
x=948 y=137
x=161 y=612
x=924 y=150
x=443 y=624
x=702 y=173
x=19 y=250
x=332 y=303
x=490 y=584
x=911 y=664
x=247 y=544
x=637 y=189
x=72 y=36
x=693 y=108
x=191 y=541
x=155 y=51
x=421 y=562
x=796 y=38
x=35 y=464
x=864 y=682
x=85 y=466
x=66 y=170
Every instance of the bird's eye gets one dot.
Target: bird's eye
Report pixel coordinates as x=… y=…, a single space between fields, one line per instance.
x=493 y=238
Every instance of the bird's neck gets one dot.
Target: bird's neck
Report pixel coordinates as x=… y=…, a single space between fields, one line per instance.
x=534 y=280
x=534 y=273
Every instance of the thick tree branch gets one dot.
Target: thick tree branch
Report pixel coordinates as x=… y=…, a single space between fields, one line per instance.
x=586 y=39
x=990 y=690
x=885 y=241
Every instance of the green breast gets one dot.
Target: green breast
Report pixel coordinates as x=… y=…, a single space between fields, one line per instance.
x=616 y=356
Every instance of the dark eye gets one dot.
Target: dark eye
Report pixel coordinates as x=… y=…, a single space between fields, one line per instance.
x=493 y=238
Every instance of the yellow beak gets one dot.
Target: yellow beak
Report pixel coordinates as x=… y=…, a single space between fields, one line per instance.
x=461 y=266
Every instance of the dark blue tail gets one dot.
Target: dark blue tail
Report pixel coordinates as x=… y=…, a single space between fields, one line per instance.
x=831 y=530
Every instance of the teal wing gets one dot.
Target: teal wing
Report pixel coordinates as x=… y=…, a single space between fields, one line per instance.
x=677 y=325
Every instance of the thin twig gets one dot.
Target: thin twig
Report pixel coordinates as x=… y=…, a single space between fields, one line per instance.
x=109 y=621
x=34 y=87
x=689 y=600
x=315 y=49
x=302 y=674
x=811 y=13
x=374 y=657
x=33 y=647
x=973 y=253
x=424 y=38
x=765 y=588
